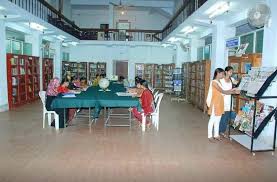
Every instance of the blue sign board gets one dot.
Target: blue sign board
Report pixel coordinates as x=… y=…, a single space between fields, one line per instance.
x=232 y=43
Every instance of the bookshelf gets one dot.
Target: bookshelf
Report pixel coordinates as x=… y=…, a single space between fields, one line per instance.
x=139 y=69
x=149 y=73
x=23 y=79
x=76 y=69
x=203 y=72
x=167 y=77
x=185 y=68
x=158 y=76
x=96 y=68
x=47 y=71
x=192 y=84
x=241 y=67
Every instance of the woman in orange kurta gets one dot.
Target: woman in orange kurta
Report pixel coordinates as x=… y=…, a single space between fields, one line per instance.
x=215 y=102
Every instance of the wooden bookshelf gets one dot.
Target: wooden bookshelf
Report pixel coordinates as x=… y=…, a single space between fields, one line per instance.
x=167 y=77
x=139 y=70
x=158 y=76
x=185 y=68
x=241 y=66
x=96 y=69
x=198 y=76
x=149 y=73
x=76 y=69
x=47 y=71
x=23 y=79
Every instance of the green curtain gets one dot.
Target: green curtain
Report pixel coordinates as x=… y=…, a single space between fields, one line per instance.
x=259 y=41
x=249 y=38
x=8 y=46
x=27 y=49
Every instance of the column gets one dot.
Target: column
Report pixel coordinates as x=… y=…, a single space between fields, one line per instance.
x=58 y=59
x=111 y=16
x=193 y=49
x=4 y=106
x=36 y=40
x=270 y=37
x=181 y=56
x=219 y=55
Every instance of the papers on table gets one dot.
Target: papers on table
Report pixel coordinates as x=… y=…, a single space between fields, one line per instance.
x=68 y=95
x=124 y=94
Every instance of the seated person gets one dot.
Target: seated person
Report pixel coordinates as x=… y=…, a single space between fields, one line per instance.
x=137 y=90
x=51 y=94
x=96 y=80
x=74 y=83
x=83 y=83
x=146 y=101
x=63 y=88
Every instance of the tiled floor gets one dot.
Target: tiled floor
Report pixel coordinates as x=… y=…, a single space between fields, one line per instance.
x=180 y=151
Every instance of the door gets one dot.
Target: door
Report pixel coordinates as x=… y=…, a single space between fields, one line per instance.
x=121 y=68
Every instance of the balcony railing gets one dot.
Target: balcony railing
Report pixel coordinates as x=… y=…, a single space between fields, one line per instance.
x=188 y=8
x=46 y=12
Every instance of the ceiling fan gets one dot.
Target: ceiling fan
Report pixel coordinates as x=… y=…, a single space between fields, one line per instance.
x=120 y=5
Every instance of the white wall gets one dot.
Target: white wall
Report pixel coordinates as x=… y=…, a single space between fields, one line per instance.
x=134 y=54
x=139 y=19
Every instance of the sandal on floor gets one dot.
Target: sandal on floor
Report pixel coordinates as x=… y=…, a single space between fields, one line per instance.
x=218 y=138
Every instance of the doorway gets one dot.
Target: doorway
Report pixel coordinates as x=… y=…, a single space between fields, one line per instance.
x=120 y=68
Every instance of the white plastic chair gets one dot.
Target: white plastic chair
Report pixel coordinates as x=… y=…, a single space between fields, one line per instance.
x=42 y=95
x=156 y=96
x=155 y=116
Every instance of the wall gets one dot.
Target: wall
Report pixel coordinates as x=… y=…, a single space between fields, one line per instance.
x=139 y=19
x=132 y=53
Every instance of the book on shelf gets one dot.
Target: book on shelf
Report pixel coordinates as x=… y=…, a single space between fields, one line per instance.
x=22 y=71
x=14 y=71
x=22 y=62
x=14 y=81
x=13 y=61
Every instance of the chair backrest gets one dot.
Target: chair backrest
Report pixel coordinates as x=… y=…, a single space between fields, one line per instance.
x=155 y=96
x=42 y=95
x=159 y=98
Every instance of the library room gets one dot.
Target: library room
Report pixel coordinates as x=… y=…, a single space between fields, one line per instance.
x=138 y=90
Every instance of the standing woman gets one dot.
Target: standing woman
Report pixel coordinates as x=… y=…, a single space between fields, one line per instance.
x=227 y=84
x=215 y=102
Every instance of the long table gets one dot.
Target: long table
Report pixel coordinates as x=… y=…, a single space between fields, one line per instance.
x=94 y=98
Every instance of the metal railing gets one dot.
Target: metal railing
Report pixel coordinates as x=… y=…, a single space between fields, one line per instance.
x=46 y=12
x=188 y=8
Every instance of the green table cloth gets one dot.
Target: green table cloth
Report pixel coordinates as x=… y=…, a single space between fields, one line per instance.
x=93 y=97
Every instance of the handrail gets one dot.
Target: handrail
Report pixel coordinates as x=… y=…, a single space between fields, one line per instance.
x=45 y=11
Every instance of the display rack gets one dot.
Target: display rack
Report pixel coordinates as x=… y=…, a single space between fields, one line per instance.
x=158 y=76
x=167 y=77
x=251 y=141
x=241 y=66
x=192 y=83
x=47 y=71
x=23 y=79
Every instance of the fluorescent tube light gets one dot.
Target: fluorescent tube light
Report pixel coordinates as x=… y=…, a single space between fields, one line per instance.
x=2 y=8
x=218 y=9
x=36 y=26
x=61 y=37
x=74 y=43
x=188 y=29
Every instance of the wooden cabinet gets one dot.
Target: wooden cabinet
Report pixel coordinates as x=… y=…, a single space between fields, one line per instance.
x=76 y=69
x=167 y=77
x=149 y=73
x=23 y=79
x=139 y=70
x=185 y=69
x=158 y=76
x=241 y=66
x=47 y=71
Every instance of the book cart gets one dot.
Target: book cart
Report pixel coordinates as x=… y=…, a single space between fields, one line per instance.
x=250 y=140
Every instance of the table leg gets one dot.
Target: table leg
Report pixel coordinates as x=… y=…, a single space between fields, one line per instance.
x=64 y=117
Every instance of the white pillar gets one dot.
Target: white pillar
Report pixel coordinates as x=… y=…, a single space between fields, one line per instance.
x=111 y=16
x=58 y=59
x=3 y=65
x=270 y=37
x=193 y=49
x=181 y=56
x=219 y=56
